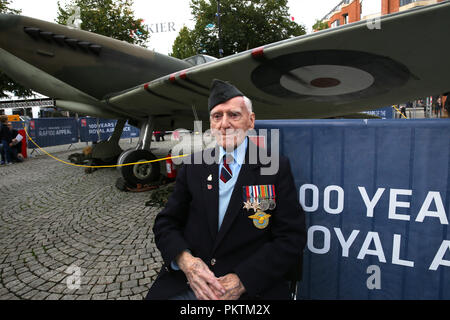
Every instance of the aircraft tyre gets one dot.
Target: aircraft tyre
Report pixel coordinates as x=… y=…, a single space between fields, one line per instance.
x=139 y=174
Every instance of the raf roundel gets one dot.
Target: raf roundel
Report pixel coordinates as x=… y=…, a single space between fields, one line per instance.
x=329 y=75
x=327 y=80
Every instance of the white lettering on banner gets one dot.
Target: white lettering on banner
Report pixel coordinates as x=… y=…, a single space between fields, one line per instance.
x=346 y=244
x=370 y=204
x=439 y=258
x=394 y=204
x=371 y=237
x=396 y=253
x=52 y=132
x=327 y=196
x=102 y=131
x=425 y=209
x=315 y=197
x=320 y=238
x=374 y=281
x=326 y=239
x=378 y=251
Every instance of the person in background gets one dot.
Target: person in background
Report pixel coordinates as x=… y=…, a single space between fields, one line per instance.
x=403 y=110
x=439 y=107
x=15 y=144
x=447 y=103
x=5 y=139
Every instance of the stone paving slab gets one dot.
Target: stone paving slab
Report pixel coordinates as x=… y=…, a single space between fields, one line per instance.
x=67 y=235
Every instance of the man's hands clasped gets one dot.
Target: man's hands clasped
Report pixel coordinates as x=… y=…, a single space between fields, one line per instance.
x=205 y=284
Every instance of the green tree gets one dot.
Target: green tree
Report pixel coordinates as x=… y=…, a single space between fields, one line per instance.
x=244 y=24
x=185 y=44
x=7 y=85
x=111 y=18
x=320 y=25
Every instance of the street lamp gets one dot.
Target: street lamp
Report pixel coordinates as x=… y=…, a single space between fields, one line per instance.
x=220 y=29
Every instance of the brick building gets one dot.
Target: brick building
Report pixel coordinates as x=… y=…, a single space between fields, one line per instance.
x=348 y=11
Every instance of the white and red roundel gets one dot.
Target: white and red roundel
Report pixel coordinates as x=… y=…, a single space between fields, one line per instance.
x=327 y=80
x=329 y=75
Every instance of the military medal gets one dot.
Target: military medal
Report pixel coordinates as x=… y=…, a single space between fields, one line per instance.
x=260 y=220
x=264 y=196
x=264 y=205
x=250 y=195
x=272 y=203
x=255 y=206
x=247 y=205
x=259 y=198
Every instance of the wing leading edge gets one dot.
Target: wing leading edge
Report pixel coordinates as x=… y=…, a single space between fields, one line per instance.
x=329 y=73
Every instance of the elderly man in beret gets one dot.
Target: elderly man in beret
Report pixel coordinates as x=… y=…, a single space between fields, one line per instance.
x=229 y=232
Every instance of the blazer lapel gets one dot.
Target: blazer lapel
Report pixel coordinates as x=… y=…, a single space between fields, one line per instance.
x=210 y=187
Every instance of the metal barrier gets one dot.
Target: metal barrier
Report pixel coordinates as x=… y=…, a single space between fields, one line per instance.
x=48 y=132
x=376 y=195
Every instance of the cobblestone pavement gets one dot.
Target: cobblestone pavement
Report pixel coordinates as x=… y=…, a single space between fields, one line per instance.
x=56 y=223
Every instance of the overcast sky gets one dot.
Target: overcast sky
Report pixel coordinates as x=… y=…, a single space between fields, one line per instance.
x=176 y=12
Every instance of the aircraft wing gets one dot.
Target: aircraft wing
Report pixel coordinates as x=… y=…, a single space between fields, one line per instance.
x=356 y=67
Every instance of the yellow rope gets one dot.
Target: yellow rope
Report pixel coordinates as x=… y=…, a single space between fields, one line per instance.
x=98 y=167
x=400 y=112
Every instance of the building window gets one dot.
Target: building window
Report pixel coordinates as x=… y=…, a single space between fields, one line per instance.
x=335 y=23
x=345 y=16
x=405 y=2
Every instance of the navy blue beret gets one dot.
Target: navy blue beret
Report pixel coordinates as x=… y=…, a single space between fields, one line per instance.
x=221 y=92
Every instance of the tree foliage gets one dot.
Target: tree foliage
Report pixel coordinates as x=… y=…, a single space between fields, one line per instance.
x=7 y=85
x=244 y=24
x=320 y=25
x=4 y=7
x=111 y=18
x=185 y=44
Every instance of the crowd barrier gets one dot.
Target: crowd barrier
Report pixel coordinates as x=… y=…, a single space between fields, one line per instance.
x=49 y=132
x=376 y=196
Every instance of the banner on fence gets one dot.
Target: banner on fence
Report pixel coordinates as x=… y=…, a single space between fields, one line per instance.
x=383 y=113
x=47 y=132
x=90 y=128
x=376 y=195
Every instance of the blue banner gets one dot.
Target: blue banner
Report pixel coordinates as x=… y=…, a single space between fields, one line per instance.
x=47 y=132
x=383 y=113
x=376 y=194
x=89 y=128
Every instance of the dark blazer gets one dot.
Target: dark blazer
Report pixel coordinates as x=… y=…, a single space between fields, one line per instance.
x=261 y=258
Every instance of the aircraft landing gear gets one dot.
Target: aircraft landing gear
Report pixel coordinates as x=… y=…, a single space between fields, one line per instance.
x=140 y=174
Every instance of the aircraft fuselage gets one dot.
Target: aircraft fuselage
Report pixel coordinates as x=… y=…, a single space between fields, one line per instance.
x=94 y=65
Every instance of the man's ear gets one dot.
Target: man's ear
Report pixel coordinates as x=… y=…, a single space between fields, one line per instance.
x=252 y=119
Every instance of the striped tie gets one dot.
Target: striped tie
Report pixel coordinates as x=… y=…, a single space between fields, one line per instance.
x=226 y=174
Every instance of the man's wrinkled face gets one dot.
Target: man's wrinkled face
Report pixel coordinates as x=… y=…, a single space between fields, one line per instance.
x=230 y=122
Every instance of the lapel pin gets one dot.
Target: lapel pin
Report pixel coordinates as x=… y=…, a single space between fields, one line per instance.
x=210 y=177
x=210 y=187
